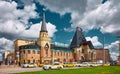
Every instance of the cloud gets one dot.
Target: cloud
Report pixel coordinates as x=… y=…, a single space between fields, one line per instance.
x=89 y=14
x=13 y=22
x=113 y=47
x=64 y=6
x=5 y=44
x=114 y=56
x=34 y=30
x=94 y=40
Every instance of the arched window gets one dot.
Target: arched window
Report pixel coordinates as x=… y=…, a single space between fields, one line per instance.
x=83 y=51
x=46 y=48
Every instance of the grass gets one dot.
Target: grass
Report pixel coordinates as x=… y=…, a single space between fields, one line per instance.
x=91 y=70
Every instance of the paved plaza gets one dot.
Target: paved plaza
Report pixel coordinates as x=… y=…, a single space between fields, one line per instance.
x=14 y=69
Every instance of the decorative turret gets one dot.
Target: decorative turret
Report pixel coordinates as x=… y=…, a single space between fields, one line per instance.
x=43 y=26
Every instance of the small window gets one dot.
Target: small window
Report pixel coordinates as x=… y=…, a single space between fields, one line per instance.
x=55 y=53
x=28 y=61
x=38 y=52
x=28 y=51
x=58 y=53
x=82 y=50
x=64 y=53
x=24 y=51
x=61 y=53
x=33 y=60
x=33 y=51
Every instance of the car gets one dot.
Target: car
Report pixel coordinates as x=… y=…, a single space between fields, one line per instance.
x=24 y=65
x=51 y=67
x=30 y=65
x=72 y=64
x=41 y=65
x=84 y=64
x=107 y=64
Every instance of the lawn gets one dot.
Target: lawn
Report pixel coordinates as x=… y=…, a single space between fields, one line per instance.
x=91 y=70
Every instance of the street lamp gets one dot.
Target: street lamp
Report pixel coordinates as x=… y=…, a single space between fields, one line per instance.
x=119 y=44
x=103 y=50
x=119 y=50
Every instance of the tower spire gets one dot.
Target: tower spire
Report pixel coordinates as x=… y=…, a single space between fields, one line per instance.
x=43 y=26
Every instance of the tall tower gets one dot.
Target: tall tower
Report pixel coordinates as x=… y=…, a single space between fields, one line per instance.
x=44 y=43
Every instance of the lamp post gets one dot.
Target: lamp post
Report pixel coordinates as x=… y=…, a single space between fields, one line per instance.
x=119 y=50
x=103 y=56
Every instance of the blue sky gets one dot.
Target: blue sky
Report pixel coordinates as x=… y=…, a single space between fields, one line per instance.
x=21 y=19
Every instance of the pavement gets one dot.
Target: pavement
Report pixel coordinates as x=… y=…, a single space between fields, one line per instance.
x=14 y=69
x=5 y=69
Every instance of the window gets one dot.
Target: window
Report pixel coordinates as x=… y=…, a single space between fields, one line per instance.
x=38 y=60
x=61 y=53
x=38 y=52
x=79 y=51
x=55 y=53
x=33 y=51
x=28 y=61
x=64 y=53
x=23 y=51
x=28 y=51
x=58 y=53
x=82 y=50
x=33 y=60
x=24 y=61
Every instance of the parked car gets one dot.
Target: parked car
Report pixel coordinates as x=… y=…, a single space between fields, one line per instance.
x=70 y=65
x=84 y=64
x=41 y=65
x=107 y=64
x=54 y=66
x=24 y=65
x=73 y=64
x=30 y=65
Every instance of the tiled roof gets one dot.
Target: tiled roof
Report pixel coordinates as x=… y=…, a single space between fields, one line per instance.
x=90 y=44
x=78 y=38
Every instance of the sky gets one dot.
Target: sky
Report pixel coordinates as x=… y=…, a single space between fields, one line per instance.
x=99 y=19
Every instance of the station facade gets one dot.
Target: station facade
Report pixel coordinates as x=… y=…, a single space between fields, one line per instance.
x=44 y=52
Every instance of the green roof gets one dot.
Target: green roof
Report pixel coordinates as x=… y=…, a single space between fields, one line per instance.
x=62 y=50
x=61 y=44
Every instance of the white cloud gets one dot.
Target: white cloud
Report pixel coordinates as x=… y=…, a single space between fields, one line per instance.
x=114 y=56
x=94 y=40
x=113 y=47
x=13 y=20
x=89 y=14
x=13 y=24
x=34 y=30
x=5 y=44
